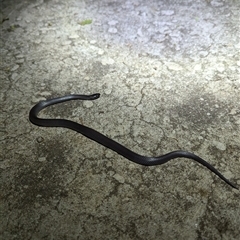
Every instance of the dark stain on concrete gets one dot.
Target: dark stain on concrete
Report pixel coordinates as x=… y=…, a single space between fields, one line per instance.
x=211 y=223
x=202 y=110
x=41 y=181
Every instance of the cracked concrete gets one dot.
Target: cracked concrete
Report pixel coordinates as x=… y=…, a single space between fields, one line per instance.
x=169 y=77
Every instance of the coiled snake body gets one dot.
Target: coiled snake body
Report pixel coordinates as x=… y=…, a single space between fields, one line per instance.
x=107 y=142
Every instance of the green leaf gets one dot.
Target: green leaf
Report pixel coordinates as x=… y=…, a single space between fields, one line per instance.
x=85 y=22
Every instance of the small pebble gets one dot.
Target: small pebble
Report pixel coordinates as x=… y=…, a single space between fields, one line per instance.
x=198 y=67
x=42 y=159
x=220 y=68
x=167 y=12
x=112 y=30
x=219 y=145
x=119 y=178
x=19 y=56
x=74 y=36
x=173 y=66
x=87 y=104
x=108 y=90
x=20 y=60
x=15 y=67
x=40 y=139
x=203 y=53
x=100 y=52
x=107 y=61
x=15 y=76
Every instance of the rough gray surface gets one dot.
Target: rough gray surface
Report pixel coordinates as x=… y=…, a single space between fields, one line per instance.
x=169 y=77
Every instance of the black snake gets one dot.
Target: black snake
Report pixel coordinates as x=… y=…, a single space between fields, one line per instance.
x=107 y=142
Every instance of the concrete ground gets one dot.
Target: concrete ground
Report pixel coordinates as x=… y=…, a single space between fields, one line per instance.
x=169 y=77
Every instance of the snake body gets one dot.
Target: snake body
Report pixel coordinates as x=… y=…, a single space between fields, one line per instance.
x=107 y=142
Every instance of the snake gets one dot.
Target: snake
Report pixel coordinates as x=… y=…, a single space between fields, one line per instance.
x=108 y=142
